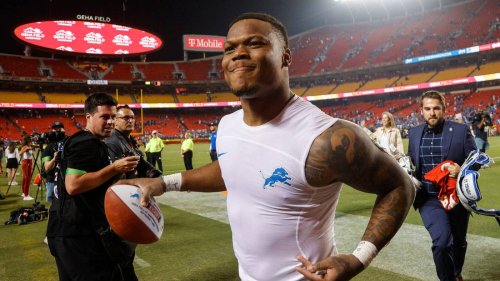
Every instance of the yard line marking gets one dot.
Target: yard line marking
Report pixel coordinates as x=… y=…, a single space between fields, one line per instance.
x=408 y=253
x=140 y=262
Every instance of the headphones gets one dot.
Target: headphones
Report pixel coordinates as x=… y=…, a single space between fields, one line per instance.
x=467 y=187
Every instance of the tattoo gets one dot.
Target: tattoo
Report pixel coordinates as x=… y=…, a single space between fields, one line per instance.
x=342 y=145
x=345 y=153
x=332 y=154
x=388 y=215
x=317 y=170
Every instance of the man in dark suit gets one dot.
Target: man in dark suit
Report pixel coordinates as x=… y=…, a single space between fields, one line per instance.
x=430 y=144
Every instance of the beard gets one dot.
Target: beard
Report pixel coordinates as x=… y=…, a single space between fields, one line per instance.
x=245 y=92
x=435 y=122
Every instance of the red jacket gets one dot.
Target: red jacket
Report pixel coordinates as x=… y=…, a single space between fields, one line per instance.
x=440 y=176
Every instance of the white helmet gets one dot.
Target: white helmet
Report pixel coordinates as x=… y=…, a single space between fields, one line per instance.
x=407 y=165
x=467 y=186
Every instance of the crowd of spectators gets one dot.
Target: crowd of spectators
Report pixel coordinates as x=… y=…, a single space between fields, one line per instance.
x=461 y=113
x=349 y=111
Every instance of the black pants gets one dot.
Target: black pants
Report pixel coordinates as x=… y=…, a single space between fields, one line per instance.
x=156 y=158
x=188 y=159
x=83 y=258
x=213 y=155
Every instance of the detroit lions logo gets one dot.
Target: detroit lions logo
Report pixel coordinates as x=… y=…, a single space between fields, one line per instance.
x=280 y=175
x=135 y=195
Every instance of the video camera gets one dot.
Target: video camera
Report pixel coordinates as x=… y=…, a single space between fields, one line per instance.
x=48 y=137
x=26 y=215
x=480 y=115
x=144 y=169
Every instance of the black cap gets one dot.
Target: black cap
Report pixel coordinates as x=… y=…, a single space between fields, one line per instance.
x=57 y=124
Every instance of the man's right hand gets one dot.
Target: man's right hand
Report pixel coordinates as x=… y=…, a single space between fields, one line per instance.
x=126 y=164
x=149 y=187
x=338 y=267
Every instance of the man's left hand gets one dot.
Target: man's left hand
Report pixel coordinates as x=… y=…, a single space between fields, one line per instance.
x=454 y=169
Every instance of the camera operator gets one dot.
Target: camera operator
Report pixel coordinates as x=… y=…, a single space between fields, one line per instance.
x=49 y=157
x=121 y=144
x=78 y=233
x=481 y=121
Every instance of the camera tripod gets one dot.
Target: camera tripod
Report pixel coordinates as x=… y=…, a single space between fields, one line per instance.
x=35 y=166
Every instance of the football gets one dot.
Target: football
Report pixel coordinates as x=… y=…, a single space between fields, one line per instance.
x=130 y=220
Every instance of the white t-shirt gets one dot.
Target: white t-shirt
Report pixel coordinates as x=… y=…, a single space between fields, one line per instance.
x=274 y=213
x=28 y=154
x=14 y=154
x=384 y=141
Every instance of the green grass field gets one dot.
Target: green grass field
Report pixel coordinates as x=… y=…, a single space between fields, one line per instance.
x=195 y=247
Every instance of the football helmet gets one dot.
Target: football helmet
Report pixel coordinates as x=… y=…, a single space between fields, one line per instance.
x=467 y=186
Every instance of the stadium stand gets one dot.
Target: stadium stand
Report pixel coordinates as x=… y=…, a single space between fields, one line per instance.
x=34 y=121
x=307 y=47
x=319 y=90
x=488 y=68
x=24 y=97
x=61 y=69
x=120 y=71
x=64 y=97
x=331 y=59
x=17 y=66
x=347 y=87
x=452 y=73
x=416 y=78
x=196 y=70
x=447 y=25
x=374 y=41
x=7 y=130
x=390 y=42
x=124 y=98
x=482 y=98
x=299 y=91
x=338 y=52
x=379 y=83
x=157 y=98
x=156 y=71
x=479 y=30
x=192 y=97
x=221 y=97
x=166 y=126
x=194 y=121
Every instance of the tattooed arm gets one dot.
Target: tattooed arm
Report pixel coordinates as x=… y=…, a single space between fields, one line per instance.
x=345 y=153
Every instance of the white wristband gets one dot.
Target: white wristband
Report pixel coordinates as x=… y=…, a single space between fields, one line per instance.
x=172 y=182
x=365 y=252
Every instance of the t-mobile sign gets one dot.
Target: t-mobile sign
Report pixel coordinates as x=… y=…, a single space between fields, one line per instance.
x=87 y=37
x=204 y=43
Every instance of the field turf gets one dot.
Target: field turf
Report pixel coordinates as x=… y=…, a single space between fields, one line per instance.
x=197 y=247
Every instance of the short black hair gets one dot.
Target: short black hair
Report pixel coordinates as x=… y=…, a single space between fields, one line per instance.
x=97 y=99
x=123 y=106
x=277 y=25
